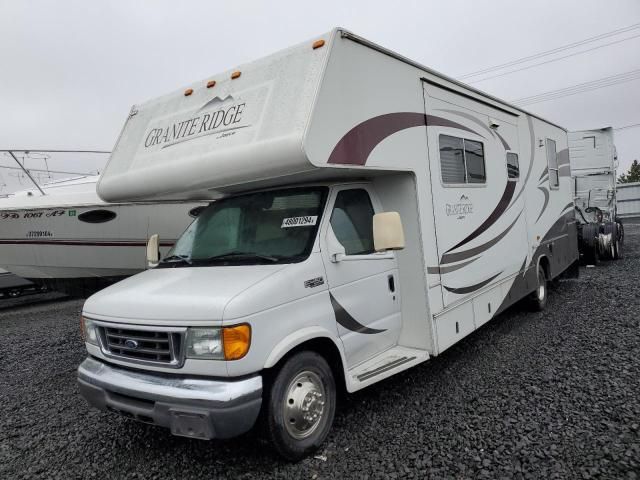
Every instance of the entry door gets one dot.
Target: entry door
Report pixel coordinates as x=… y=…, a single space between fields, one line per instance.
x=468 y=144
x=363 y=286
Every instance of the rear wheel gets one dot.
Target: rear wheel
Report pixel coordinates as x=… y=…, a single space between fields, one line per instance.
x=619 y=240
x=590 y=233
x=538 y=299
x=611 y=228
x=301 y=405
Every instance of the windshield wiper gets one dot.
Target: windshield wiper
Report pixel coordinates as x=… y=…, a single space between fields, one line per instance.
x=241 y=256
x=175 y=259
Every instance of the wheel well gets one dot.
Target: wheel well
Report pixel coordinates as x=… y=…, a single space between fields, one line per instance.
x=546 y=266
x=324 y=347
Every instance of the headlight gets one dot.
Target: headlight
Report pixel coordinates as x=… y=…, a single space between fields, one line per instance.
x=204 y=343
x=227 y=343
x=89 y=331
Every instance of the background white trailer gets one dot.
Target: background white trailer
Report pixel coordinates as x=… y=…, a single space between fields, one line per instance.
x=594 y=160
x=628 y=196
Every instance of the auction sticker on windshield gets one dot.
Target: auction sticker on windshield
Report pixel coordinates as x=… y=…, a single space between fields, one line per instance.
x=299 y=221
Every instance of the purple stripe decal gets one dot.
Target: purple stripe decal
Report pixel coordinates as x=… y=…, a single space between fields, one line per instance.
x=495 y=215
x=358 y=143
x=532 y=151
x=345 y=319
x=563 y=157
x=544 y=172
x=546 y=201
x=459 y=256
x=471 y=288
x=504 y=142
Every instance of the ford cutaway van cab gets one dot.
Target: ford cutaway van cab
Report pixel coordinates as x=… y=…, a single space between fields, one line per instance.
x=366 y=214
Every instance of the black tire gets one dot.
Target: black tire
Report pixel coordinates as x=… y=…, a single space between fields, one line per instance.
x=620 y=240
x=538 y=298
x=304 y=380
x=590 y=233
x=611 y=228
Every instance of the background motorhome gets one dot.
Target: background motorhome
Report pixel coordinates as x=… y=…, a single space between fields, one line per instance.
x=628 y=196
x=69 y=240
x=594 y=161
x=297 y=141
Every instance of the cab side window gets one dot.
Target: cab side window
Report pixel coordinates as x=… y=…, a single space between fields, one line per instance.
x=352 y=221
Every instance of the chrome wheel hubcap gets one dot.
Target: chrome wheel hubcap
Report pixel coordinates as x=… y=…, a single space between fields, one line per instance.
x=304 y=404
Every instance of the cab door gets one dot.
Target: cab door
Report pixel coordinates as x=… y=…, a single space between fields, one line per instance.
x=363 y=285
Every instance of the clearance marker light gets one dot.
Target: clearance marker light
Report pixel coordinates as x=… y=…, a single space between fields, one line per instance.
x=235 y=75
x=318 y=44
x=211 y=83
x=188 y=92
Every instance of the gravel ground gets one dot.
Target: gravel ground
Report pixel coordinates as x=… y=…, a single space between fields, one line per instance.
x=530 y=395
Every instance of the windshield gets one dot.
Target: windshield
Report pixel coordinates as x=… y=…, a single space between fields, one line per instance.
x=277 y=226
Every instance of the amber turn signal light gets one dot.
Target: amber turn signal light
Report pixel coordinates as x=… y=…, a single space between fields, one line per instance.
x=236 y=341
x=211 y=83
x=235 y=75
x=188 y=92
x=318 y=44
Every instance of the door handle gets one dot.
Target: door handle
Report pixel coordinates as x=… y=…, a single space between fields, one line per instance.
x=392 y=283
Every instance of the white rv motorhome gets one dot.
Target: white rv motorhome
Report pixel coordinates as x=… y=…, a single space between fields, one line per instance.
x=593 y=161
x=371 y=213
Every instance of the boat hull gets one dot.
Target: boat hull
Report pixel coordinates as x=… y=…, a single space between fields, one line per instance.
x=76 y=250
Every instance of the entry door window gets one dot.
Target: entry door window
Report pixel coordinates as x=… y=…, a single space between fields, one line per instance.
x=352 y=221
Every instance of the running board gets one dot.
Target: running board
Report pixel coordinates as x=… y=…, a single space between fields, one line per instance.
x=384 y=365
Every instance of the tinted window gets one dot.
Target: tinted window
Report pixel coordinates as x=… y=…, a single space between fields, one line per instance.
x=513 y=167
x=452 y=159
x=461 y=160
x=552 y=159
x=97 y=216
x=474 y=158
x=352 y=221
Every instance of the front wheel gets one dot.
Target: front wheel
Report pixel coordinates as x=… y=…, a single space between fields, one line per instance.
x=301 y=404
x=538 y=299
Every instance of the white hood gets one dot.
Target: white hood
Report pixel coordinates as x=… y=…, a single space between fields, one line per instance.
x=176 y=295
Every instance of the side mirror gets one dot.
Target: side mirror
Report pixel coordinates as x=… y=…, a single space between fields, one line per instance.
x=153 y=251
x=336 y=249
x=388 y=233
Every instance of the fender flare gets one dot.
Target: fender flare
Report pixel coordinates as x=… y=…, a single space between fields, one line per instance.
x=298 y=337
x=540 y=257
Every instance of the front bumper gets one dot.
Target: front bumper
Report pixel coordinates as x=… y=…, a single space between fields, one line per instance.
x=191 y=407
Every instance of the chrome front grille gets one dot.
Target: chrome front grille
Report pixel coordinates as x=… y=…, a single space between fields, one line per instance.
x=142 y=345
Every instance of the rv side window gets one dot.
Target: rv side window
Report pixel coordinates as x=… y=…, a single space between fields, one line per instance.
x=513 y=167
x=352 y=221
x=461 y=160
x=552 y=159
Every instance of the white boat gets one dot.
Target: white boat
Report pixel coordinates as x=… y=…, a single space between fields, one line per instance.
x=70 y=240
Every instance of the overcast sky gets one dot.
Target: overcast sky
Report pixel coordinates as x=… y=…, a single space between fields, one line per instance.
x=70 y=70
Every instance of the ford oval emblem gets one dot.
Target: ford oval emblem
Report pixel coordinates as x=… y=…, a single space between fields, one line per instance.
x=130 y=343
